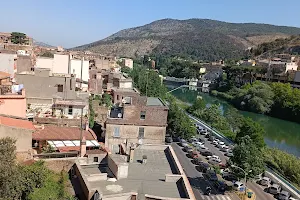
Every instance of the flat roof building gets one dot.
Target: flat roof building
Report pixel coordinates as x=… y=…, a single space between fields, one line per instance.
x=150 y=172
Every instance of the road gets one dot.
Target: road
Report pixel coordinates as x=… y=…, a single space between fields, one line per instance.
x=258 y=189
x=196 y=179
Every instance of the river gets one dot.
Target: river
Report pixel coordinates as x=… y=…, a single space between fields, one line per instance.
x=281 y=134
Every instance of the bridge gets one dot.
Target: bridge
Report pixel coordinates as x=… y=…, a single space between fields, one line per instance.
x=188 y=82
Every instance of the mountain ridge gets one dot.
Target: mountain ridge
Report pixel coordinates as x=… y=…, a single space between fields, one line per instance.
x=200 y=38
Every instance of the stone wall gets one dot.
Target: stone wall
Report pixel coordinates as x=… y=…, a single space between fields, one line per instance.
x=59 y=165
x=129 y=134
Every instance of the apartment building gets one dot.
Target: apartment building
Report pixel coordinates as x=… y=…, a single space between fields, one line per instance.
x=52 y=95
x=135 y=119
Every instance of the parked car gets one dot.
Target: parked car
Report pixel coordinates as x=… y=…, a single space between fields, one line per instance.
x=184 y=144
x=187 y=149
x=168 y=140
x=203 y=132
x=183 y=141
x=214 y=161
x=197 y=144
x=274 y=189
x=197 y=160
x=191 y=140
x=284 y=195
x=223 y=146
x=201 y=140
x=211 y=138
x=176 y=139
x=212 y=175
x=203 y=167
x=221 y=143
x=222 y=165
x=202 y=148
x=215 y=142
x=265 y=181
x=220 y=186
x=213 y=156
x=238 y=186
x=206 y=153
x=194 y=154
x=230 y=177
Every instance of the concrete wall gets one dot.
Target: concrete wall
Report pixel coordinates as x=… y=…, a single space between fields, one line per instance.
x=125 y=84
x=61 y=64
x=41 y=87
x=83 y=182
x=76 y=69
x=7 y=62
x=24 y=63
x=129 y=134
x=23 y=137
x=43 y=62
x=117 y=166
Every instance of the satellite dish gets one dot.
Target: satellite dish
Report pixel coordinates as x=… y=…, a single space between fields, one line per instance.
x=123 y=100
x=140 y=141
x=119 y=115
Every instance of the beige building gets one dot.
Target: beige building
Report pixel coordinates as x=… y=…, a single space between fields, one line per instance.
x=127 y=62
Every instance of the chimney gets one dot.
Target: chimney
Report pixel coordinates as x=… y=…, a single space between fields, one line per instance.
x=87 y=125
x=83 y=147
x=131 y=153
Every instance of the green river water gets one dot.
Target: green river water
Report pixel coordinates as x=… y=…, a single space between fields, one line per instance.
x=281 y=134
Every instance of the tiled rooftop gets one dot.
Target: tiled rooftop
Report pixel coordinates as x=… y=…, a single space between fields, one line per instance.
x=17 y=123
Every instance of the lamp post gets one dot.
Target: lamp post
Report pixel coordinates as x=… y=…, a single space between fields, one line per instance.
x=234 y=166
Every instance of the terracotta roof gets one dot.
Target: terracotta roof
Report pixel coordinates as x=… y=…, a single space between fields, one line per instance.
x=62 y=133
x=17 y=123
x=68 y=149
x=4 y=74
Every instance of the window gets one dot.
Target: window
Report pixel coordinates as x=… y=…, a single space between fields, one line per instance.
x=95 y=76
x=70 y=112
x=116 y=132
x=60 y=88
x=70 y=84
x=95 y=159
x=143 y=115
x=127 y=100
x=141 y=132
x=117 y=97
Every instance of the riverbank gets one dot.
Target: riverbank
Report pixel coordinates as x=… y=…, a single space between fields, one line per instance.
x=280 y=134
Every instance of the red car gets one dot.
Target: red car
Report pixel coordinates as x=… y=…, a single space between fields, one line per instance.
x=194 y=154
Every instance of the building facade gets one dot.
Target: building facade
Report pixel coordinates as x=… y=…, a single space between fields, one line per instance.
x=52 y=95
x=135 y=120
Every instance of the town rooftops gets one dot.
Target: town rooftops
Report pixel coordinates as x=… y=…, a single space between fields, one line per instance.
x=17 y=123
x=161 y=177
x=62 y=133
x=153 y=101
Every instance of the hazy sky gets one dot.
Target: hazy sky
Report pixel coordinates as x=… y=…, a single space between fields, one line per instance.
x=75 y=22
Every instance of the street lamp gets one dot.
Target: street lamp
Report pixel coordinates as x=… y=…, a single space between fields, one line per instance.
x=234 y=166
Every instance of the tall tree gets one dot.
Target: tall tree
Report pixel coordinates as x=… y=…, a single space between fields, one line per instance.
x=18 y=38
x=252 y=129
x=247 y=156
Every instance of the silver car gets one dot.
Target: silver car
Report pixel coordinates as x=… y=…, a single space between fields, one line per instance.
x=283 y=195
x=265 y=181
x=274 y=189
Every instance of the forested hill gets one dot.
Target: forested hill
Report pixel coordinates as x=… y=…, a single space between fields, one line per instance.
x=290 y=45
x=197 y=38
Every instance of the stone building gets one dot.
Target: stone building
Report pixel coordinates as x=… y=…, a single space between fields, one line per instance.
x=135 y=120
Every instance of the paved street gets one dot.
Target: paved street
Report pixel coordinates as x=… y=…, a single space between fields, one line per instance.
x=259 y=190
x=196 y=178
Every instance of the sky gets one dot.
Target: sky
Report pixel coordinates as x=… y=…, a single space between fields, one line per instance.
x=71 y=23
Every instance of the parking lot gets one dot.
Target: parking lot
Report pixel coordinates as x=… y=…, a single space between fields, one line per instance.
x=191 y=168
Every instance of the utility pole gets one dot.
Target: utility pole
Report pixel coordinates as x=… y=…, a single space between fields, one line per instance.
x=81 y=123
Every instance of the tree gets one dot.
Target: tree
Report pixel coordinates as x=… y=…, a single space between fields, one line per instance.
x=199 y=104
x=247 y=156
x=48 y=54
x=179 y=124
x=9 y=175
x=18 y=38
x=92 y=114
x=234 y=118
x=252 y=129
x=106 y=99
x=126 y=70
